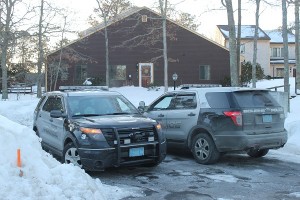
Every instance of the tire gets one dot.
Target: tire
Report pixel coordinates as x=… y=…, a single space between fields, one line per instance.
x=70 y=155
x=204 y=149
x=257 y=153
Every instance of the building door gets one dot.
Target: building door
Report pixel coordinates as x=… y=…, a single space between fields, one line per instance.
x=145 y=74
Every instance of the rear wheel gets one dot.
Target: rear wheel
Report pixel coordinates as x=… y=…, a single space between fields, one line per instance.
x=70 y=155
x=204 y=149
x=257 y=153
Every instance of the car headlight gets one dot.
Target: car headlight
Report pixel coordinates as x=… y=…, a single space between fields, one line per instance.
x=90 y=130
x=158 y=126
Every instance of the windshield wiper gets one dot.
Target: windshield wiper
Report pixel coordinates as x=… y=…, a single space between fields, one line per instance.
x=118 y=113
x=86 y=115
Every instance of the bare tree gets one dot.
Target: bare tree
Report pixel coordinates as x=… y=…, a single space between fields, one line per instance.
x=108 y=9
x=285 y=46
x=163 y=5
x=9 y=23
x=297 y=44
x=61 y=51
x=257 y=3
x=238 y=39
x=187 y=20
x=232 y=42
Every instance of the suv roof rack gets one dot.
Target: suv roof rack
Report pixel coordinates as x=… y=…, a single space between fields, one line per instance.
x=187 y=86
x=80 y=88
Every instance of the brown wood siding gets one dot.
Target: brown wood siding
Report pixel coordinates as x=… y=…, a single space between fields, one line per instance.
x=186 y=51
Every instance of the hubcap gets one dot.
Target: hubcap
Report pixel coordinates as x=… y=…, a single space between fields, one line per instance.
x=202 y=149
x=72 y=156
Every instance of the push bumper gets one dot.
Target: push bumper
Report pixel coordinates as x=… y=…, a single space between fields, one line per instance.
x=99 y=159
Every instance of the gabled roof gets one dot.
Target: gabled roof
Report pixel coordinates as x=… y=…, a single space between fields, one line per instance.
x=276 y=36
x=122 y=16
x=247 y=32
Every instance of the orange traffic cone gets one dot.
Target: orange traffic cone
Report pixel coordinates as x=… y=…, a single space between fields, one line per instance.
x=19 y=162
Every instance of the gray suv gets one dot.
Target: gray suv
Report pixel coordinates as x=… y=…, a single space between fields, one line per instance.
x=213 y=121
x=96 y=129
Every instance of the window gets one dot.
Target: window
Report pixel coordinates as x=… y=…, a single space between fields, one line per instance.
x=118 y=72
x=53 y=103
x=218 y=99
x=280 y=72
x=162 y=104
x=81 y=72
x=204 y=72
x=144 y=18
x=186 y=101
x=276 y=52
x=242 y=48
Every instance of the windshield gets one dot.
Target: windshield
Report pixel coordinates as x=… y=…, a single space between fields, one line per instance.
x=100 y=105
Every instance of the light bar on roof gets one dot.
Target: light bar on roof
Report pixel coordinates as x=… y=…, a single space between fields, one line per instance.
x=187 y=86
x=64 y=88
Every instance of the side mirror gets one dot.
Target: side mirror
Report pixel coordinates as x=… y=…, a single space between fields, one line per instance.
x=57 y=114
x=141 y=106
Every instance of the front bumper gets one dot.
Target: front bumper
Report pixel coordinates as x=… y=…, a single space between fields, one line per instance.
x=239 y=140
x=99 y=159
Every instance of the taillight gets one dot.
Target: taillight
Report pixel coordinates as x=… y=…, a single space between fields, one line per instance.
x=236 y=117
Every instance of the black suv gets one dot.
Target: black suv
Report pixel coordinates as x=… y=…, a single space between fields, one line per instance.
x=212 y=121
x=96 y=129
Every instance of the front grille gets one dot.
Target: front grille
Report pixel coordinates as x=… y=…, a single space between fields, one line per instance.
x=130 y=136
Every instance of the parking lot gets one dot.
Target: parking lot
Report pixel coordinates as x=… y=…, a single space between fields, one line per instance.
x=235 y=176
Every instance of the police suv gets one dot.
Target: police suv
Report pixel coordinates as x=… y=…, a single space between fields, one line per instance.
x=216 y=120
x=93 y=128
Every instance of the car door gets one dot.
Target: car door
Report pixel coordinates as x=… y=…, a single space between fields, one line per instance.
x=51 y=130
x=158 y=110
x=177 y=112
x=182 y=116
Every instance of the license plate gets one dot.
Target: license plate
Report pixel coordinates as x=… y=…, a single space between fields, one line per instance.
x=267 y=118
x=134 y=152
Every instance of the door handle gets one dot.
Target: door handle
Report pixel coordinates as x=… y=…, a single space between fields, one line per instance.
x=191 y=114
x=51 y=120
x=161 y=115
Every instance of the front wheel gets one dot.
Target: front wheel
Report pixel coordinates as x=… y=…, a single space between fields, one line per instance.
x=257 y=153
x=204 y=149
x=70 y=155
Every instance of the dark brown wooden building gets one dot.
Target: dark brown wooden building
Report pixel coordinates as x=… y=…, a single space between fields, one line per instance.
x=135 y=54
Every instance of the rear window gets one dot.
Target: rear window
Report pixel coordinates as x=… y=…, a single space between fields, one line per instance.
x=255 y=99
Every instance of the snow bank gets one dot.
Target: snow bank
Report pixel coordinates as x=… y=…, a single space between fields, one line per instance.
x=43 y=176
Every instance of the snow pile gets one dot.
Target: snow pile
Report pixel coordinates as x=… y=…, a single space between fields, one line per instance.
x=43 y=176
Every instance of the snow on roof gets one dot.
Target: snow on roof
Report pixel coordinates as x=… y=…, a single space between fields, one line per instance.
x=247 y=32
x=276 y=36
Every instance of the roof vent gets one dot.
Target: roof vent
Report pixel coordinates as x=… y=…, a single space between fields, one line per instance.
x=144 y=18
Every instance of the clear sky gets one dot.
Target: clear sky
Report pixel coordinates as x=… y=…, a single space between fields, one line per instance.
x=208 y=12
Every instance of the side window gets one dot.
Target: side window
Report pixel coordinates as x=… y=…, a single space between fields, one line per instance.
x=53 y=103
x=162 y=104
x=185 y=102
x=217 y=99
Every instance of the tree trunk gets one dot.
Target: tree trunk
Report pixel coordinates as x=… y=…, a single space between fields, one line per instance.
x=238 y=41
x=4 y=50
x=60 y=54
x=255 y=44
x=106 y=52
x=41 y=53
x=232 y=44
x=297 y=43
x=163 y=9
x=285 y=51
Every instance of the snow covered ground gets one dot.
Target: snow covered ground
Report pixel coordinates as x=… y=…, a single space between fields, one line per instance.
x=43 y=177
